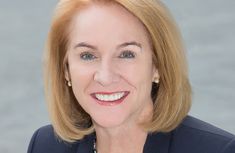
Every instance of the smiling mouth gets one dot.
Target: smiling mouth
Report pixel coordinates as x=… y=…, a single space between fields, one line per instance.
x=110 y=97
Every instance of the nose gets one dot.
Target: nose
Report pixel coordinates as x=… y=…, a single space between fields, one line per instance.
x=106 y=74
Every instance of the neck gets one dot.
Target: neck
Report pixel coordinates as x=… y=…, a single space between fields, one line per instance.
x=128 y=140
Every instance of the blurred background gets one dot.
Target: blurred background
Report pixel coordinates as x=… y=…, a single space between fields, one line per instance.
x=208 y=31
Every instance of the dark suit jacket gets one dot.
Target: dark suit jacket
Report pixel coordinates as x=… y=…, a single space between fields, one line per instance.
x=191 y=136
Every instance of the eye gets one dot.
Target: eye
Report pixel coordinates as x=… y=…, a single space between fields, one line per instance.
x=127 y=54
x=87 y=56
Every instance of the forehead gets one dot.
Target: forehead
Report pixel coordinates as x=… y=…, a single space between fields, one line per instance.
x=105 y=20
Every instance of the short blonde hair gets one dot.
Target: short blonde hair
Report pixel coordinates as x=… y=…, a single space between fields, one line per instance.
x=171 y=97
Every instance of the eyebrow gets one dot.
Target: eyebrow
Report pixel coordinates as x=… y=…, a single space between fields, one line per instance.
x=134 y=43
x=84 y=44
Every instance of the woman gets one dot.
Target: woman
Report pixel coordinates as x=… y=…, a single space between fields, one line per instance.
x=117 y=82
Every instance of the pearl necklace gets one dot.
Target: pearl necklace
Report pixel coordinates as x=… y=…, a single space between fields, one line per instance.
x=94 y=146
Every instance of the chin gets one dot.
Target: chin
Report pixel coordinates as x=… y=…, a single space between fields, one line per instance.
x=109 y=122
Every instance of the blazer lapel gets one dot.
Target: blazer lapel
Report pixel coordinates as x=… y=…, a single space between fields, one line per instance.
x=86 y=145
x=157 y=143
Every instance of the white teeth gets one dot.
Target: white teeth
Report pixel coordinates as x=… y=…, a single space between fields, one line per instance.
x=111 y=97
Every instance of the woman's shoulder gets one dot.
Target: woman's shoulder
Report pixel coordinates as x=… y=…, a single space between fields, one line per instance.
x=198 y=125
x=44 y=140
x=198 y=136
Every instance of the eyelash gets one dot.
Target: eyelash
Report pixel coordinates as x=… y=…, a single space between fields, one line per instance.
x=125 y=54
x=88 y=55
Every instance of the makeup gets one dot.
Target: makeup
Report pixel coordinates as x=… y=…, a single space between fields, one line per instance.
x=110 y=98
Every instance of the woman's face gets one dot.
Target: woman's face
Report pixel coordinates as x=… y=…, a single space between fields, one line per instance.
x=110 y=65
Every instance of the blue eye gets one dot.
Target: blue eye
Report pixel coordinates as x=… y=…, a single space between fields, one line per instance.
x=87 y=56
x=127 y=54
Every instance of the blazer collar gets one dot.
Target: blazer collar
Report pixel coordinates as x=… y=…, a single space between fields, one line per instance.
x=86 y=145
x=155 y=142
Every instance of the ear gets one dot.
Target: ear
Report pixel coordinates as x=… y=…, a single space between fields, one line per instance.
x=67 y=72
x=155 y=74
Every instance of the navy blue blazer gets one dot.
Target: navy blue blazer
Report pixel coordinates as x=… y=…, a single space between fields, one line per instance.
x=191 y=136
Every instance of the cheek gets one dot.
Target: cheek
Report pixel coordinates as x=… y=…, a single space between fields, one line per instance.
x=81 y=77
x=80 y=74
x=136 y=73
x=139 y=76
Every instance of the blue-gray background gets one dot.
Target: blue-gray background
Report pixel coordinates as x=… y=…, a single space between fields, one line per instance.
x=208 y=29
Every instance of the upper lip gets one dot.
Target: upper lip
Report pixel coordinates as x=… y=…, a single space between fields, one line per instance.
x=109 y=93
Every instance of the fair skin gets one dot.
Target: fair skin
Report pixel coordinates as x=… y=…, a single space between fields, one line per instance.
x=110 y=54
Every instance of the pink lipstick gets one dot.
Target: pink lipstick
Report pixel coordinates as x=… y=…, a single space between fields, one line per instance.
x=109 y=98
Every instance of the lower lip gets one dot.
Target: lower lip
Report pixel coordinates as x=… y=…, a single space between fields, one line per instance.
x=111 y=103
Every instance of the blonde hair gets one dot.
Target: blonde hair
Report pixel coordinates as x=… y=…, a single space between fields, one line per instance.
x=171 y=97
